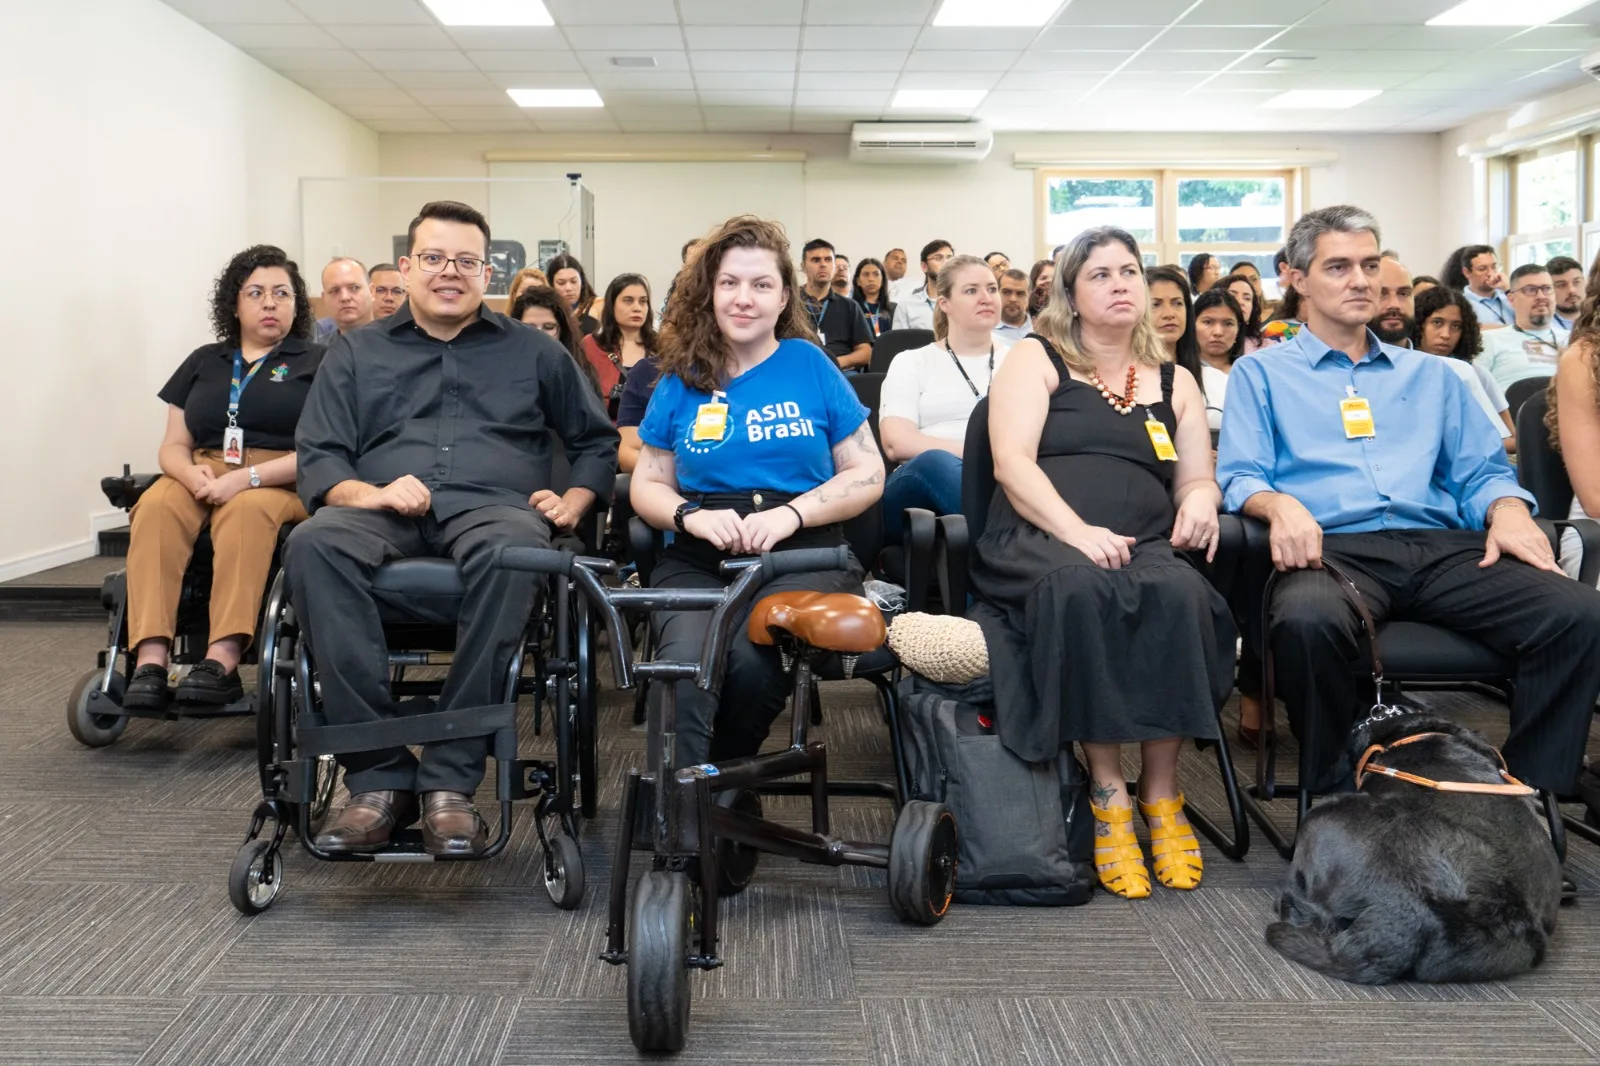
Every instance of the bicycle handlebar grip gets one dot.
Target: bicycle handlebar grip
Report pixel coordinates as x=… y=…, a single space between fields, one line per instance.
x=534 y=560
x=803 y=561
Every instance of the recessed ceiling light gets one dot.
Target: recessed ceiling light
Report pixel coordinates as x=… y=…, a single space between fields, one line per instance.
x=1502 y=13
x=556 y=97
x=490 y=12
x=633 y=61
x=995 y=12
x=1321 y=99
x=1289 y=62
x=938 y=99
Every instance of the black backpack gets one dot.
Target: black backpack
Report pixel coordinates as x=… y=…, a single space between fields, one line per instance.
x=1025 y=832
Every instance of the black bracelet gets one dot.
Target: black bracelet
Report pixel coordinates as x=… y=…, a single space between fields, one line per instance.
x=798 y=517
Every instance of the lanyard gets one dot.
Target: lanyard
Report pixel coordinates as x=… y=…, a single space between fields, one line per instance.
x=236 y=389
x=1493 y=304
x=1551 y=342
x=821 y=312
x=963 y=370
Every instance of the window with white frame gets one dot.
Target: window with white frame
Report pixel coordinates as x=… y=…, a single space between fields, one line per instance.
x=1547 y=201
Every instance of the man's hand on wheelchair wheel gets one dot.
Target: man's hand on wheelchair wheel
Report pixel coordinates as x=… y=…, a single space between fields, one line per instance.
x=405 y=495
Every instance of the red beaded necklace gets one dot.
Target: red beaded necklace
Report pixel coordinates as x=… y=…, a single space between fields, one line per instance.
x=1121 y=404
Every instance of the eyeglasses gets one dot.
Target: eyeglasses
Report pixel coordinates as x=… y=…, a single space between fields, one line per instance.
x=1531 y=291
x=470 y=266
x=256 y=294
x=388 y=290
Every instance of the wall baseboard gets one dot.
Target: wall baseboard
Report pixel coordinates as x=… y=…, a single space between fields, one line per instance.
x=76 y=551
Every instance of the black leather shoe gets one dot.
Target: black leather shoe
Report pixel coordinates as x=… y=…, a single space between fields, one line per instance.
x=451 y=825
x=368 y=821
x=147 y=689
x=207 y=683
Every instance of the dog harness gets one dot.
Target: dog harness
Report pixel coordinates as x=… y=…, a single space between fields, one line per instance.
x=1365 y=765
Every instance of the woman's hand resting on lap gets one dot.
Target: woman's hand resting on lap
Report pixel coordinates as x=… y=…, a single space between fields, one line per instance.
x=724 y=529
x=1107 y=550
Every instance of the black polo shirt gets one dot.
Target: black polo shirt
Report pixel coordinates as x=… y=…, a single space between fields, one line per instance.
x=270 y=405
x=840 y=325
x=470 y=417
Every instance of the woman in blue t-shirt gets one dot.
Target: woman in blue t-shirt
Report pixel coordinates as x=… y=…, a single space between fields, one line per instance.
x=753 y=442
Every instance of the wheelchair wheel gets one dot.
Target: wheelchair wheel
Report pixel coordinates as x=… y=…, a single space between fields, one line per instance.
x=256 y=877
x=89 y=729
x=586 y=693
x=736 y=863
x=563 y=873
x=658 y=971
x=922 y=862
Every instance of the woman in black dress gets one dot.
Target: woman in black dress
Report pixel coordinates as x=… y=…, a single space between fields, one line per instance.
x=1097 y=631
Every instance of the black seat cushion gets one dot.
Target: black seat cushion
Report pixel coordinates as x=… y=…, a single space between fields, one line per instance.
x=426 y=591
x=1413 y=651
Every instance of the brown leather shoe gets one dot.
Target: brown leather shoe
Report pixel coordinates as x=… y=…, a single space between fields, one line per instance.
x=451 y=825
x=368 y=821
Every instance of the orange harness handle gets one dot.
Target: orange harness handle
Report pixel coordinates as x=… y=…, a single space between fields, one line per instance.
x=1365 y=765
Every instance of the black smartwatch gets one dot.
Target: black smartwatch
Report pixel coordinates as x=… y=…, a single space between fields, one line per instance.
x=687 y=507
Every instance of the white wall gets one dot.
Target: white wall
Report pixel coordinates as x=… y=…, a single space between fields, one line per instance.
x=141 y=152
x=867 y=209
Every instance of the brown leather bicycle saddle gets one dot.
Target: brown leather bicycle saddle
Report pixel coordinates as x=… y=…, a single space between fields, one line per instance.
x=831 y=621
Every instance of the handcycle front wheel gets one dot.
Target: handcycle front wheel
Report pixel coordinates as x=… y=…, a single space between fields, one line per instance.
x=658 y=968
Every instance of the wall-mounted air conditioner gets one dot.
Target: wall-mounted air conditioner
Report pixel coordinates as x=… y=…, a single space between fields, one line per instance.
x=920 y=142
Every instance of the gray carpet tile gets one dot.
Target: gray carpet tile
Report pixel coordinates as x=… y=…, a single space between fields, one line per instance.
x=88 y=572
x=1572 y=966
x=32 y=834
x=1579 y=1017
x=315 y=1030
x=112 y=939
x=1400 y=1034
x=72 y=1031
x=721 y=1032
x=1038 y=1031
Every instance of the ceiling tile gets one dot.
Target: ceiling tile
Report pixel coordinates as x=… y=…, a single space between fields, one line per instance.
x=1252 y=12
x=318 y=80
x=447 y=79
x=746 y=119
x=666 y=59
x=642 y=79
x=1121 y=12
x=417 y=59
x=508 y=38
x=1457 y=80
x=1047 y=81
x=616 y=98
x=732 y=62
x=771 y=81
x=1215 y=38
x=814 y=125
x=729 y=12
x=612 y=12
x=392 y=110
x=678 y=113
x=510 y=125
x=1071 y=61
x=961 y=79
x=742 y=37
x=297 y=59
x=1380 y=12
x=1308 y=40
x=984 y=61
x=1095 y=38
x=859 y=38
x=1500 y=62
x=1584 y=37
x=343 y=98
x=1031 y=101
x=879 y=13
x=839 y=79
x=1439 y=38
x=842 y=102
x=852 y=61
x=538 y=79
x=1148 y=82
x=209 y=11
x=408 y=125
x=272 y=35
x=460 y=97
x=543 y=59
x=963 y=38
x=1203 y=62
x=746 y=97
x=624 y=38
x=595 y=121
x=506 y=112
x=391 y=37
x=349 y=12
x=659 y=125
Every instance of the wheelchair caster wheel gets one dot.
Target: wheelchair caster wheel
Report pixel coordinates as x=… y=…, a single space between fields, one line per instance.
x=922 y=862
x=658 y=971
x=563 y=873
x=736 y=863
x=90 y=729
x=256 y=877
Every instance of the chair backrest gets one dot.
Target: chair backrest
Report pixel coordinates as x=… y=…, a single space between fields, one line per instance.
x=1539 y=466
x=895 y=341
x=977 y=472
x=1520 y=392
x=869 y=390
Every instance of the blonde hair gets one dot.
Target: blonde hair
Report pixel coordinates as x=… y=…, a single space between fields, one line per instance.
x=1058 y=322
x=521 y=280
x=945 y=283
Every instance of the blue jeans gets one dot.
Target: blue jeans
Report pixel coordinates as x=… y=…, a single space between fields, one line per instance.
x=931 y=480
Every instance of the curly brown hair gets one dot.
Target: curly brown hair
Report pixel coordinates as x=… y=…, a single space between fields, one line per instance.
x=692 y=344
x=1585 y=331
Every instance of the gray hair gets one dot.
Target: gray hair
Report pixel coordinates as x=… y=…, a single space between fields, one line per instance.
x=1302 y=244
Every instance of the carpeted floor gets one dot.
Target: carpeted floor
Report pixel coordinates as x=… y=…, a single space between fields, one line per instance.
x=118 y=944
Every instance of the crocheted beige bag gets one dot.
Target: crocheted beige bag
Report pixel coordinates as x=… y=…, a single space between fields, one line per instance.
x=940 y=647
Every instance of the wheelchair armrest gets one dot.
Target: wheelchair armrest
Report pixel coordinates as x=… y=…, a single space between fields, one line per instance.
x=644 y=543
x=1588 y=531
x=124 y=491
x=951 y=558
x=921 y=532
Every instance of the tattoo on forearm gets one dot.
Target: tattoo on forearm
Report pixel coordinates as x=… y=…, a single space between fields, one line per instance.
x=827 y=492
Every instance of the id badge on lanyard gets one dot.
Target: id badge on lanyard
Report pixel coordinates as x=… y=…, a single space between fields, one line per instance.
x=711 y=419
x=1356 y=413
x=233 y=436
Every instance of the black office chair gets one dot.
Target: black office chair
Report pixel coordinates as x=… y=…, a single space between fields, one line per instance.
x=892 y=343
x=958 y=532
x=1540 y=467
x=869 y=390
x=1519 y=393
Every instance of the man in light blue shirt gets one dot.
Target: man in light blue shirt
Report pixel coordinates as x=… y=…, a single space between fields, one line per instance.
x=915 y=309
x=1480 y=273
x=1374 y=458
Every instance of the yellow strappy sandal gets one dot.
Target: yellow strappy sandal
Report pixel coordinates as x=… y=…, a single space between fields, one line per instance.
x=1117 y=858
x=1170 y=843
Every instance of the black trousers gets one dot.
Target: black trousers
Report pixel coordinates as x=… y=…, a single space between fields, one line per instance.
x=755 y=687
x=1548 y=624
x=330 y=562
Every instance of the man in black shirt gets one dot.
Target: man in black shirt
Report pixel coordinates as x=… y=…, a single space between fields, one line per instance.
x=840 y=324
x=429 y=435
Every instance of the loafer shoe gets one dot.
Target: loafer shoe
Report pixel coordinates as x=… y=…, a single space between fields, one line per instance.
x=147 y=689
x=368 y=821
x=208 y=683
x=451 y=825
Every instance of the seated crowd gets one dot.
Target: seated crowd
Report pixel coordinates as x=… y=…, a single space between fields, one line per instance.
x=1129 y=407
